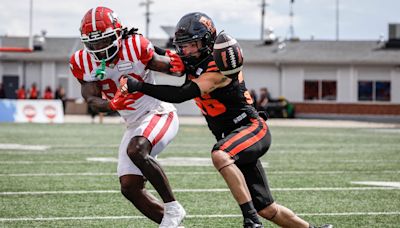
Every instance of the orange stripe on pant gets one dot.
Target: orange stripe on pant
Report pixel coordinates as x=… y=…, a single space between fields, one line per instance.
x=250 y=141
x=246 y=131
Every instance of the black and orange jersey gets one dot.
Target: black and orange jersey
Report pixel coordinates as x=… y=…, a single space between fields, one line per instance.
x=226 y=108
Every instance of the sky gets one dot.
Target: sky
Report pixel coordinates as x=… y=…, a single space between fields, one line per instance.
x=358 y=19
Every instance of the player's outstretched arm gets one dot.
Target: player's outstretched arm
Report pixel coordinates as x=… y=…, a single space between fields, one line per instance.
x=206 y=83
x=167 y=93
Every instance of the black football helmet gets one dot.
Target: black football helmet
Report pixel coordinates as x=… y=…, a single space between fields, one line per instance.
x=193 y=27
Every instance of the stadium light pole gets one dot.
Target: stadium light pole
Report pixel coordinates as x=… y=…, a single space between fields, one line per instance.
x=263 y=5
x=337 y=20
x=147 y=5
x=291 y=15
x=30 y=24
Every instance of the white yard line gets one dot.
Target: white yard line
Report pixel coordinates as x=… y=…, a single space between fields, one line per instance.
x=85 y=146
x=206 y=190
x=378 y=183
x=332 y=172
x=188 y=216
x=23 y=147
x=43 y=162
x=114 y=160
x=52 y=152
x=13 y=146
x=351 y=213
x=111 y=151
x=102 y=159
x=202 y=173
x=55 y=174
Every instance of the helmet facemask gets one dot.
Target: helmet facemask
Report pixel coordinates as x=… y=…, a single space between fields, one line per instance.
x=102 y=45
x=203 y=50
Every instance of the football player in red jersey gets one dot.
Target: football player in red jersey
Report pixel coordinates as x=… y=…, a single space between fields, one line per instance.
x=243 y=137
x=111 y=52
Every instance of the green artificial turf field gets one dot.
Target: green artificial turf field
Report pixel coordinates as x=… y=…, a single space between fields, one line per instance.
x=64 y=176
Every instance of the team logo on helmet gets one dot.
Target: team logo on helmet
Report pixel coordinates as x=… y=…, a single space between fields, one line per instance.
x=208 y=23
x=113 y=17
x=95 y=34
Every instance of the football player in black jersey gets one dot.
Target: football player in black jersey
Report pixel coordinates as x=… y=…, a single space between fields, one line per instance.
x=243 y=137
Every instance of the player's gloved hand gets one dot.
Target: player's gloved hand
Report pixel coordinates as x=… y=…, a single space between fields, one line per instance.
x=120 y=102
x=130 y=84
x=177 y=66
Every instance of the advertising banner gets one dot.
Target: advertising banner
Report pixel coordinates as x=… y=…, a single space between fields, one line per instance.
x=31 y=111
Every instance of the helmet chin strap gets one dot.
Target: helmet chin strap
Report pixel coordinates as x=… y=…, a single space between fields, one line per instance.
x=200 y=59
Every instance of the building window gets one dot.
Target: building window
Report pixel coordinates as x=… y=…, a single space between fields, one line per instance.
x=374 y=90
x=311 y=90
x=328 y=90
x=319 y=90
x=382 y=90
x=365 y=90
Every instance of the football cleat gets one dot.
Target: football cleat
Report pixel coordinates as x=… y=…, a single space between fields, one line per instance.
x=173 y=216
x=248 y=223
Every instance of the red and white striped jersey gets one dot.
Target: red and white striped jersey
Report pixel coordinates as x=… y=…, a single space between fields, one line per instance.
x=135 y=52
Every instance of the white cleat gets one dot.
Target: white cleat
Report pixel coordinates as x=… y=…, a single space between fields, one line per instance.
x=173 y=216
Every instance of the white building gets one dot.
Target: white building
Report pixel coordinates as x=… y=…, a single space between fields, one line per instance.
x=343 y=77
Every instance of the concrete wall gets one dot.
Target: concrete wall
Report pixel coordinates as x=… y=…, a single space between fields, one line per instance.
x=257 y=76
x=12 y=68
x=292 y=83
x=33 y=74
x=48 y=76
x=345 y=85
x=67 y=80
x=395 y=78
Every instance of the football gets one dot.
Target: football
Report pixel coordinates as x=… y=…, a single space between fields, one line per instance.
x=228 y=55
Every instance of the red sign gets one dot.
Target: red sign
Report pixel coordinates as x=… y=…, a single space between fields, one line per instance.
x=29 y=111
x=50 y=112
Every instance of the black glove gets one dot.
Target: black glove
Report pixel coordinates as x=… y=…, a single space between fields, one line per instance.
x=130 y=84
x=263 y=114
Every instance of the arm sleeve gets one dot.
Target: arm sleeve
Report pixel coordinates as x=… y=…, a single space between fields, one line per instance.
x=160 y=51
x=172 y=94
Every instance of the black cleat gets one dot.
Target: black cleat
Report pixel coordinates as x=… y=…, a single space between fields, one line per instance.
x=248 y=223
